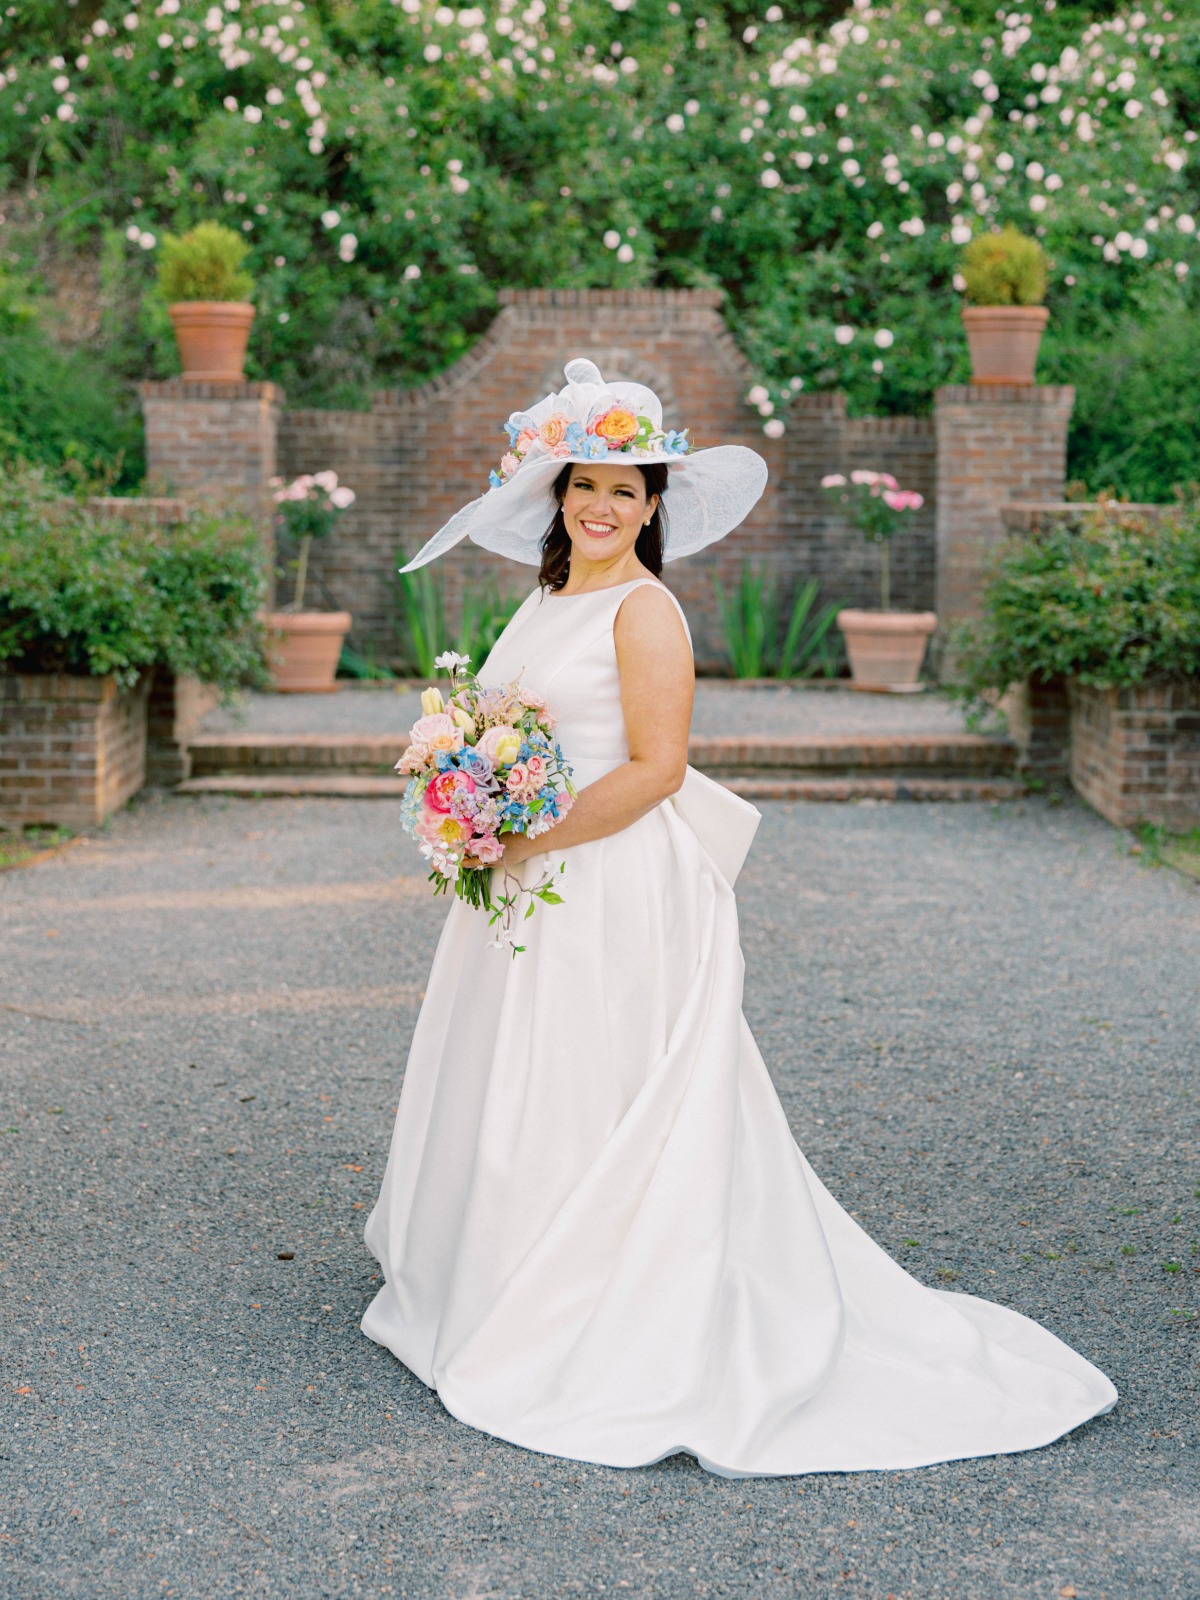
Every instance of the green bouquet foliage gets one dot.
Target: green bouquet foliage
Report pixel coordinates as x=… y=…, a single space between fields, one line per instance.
x=1112 y=599
x=1006 y=268
x=96 y=595
x=204 y=264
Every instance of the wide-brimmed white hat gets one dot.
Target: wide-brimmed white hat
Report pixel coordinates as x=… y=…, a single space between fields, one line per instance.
x=709 y=491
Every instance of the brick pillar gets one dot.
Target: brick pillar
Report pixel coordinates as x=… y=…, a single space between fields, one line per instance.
x=212 y=440
x=208 y=435
x=995 y=443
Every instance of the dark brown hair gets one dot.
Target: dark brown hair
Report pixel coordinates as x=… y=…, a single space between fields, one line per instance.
x=556 y=543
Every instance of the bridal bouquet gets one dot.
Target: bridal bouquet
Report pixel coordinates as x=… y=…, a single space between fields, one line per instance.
x=483 y=765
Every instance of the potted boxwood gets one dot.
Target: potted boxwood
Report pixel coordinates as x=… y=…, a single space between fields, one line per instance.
x=200 y=275
x=1005 y=274
x=885 y=647
x=305 y=645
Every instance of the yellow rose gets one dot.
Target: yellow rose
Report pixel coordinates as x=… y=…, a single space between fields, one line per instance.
x=432 y=702
x=507 y=749
x=463 y=719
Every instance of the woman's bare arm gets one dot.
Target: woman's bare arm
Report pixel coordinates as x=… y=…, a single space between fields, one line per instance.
x=657 y=687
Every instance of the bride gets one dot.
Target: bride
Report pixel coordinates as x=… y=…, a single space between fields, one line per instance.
x=598 y=1237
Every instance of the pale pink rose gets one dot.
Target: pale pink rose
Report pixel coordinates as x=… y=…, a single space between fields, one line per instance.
x=863 y=476
x=833 y=480
x=509 y=464
x=553 y=429
x=518 y=777
x=888 y=481
x=536 y=767
x=524 y=439
x=903 y=499
x=342 y=497
x=437 y=732
x=325 y=480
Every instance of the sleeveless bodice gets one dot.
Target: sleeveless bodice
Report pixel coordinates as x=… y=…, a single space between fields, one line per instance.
x=561 y=647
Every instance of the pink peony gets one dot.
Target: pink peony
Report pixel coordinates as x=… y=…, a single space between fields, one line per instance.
x=441 y=792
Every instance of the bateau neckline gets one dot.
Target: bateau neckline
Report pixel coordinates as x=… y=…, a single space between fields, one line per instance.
x=609 y=588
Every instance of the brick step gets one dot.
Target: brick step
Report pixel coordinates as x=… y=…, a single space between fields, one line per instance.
x=365 y=755
x=349 y=786
x=947 y=754
x=274 y=785
x=860 y=788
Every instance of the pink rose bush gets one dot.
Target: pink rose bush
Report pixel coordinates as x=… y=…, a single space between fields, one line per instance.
x=876 y=503
x=482 y=767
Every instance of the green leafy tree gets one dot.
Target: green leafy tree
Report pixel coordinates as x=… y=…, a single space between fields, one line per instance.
x=392 y=167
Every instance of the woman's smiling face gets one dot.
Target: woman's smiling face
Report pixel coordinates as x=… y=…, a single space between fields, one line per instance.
x=605 y=508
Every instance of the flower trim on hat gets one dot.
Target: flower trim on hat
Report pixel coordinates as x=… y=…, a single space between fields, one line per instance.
x=617 y=429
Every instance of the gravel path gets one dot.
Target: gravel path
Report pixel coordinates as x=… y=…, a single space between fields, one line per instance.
x=720 y=708
x=983 y=1024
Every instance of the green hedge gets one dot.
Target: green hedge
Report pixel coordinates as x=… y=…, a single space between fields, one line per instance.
x=1112 y=599
x=97 y=595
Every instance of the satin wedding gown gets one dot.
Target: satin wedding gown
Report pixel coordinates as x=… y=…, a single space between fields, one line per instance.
x=598 y=1237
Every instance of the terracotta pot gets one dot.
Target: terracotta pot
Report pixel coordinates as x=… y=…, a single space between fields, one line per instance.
x=1004 y=341
x=212 y=337
x=303 y=648
x=886 y=648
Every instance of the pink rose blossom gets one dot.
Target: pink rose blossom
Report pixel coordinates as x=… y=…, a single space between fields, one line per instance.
x=518 y=777
x=903 y=499
x=509 y=464
x=488 y=849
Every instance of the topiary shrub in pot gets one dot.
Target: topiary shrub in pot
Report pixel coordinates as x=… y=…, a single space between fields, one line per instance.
x=200 y=276
x=1005 y=274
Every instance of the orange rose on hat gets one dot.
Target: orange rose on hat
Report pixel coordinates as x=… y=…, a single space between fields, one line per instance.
x=616 y=427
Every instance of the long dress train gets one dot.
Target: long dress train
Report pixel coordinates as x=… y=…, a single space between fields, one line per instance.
x=598 y=1237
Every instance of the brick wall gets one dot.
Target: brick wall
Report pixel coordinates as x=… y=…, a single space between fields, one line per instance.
x=72 y=749
x=1135 y=753
x=418 y=455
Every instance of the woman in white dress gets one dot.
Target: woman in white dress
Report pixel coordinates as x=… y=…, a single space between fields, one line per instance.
x=598 y=1237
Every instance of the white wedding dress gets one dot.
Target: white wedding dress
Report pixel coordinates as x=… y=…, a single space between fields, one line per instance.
x=597 y=1234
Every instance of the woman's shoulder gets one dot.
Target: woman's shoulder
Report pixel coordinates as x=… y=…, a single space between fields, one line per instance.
x=645 y=606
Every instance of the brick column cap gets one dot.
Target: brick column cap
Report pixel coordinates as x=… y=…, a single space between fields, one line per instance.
x=195 y=389
x=611 y=297
x=1022 y=394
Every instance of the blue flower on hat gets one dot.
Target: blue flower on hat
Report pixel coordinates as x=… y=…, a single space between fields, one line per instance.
x=675 y=444
x=575 y=436
x=494 y=479
x=518 y=423
x=593 y=447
